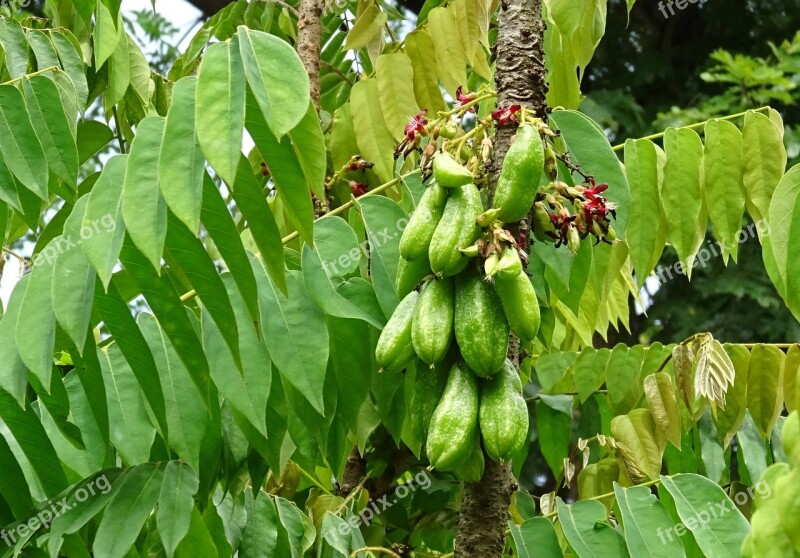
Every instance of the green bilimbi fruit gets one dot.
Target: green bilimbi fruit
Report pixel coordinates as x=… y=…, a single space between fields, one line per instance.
x=454 y=427
x=520 y=176
x=457 y=229
x=542 y=223
x=509 y=265
x=394 y=348
x=449 y=173
x=472 y=469
x=432 y=327
x=418 y=232
x=426 y=394
x=503 y=414
x=410 y=273
x=481 y=326
x=520 y=305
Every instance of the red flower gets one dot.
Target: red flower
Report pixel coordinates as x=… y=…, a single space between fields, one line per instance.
x=358 y=189
x=562 y=222
x=594 y=191
x=416 y=125
x=464 y=98
x=264 y=169
x=505 y=115
x=522 y=240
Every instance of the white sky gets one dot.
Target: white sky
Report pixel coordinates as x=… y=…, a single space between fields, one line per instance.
x=182 y=15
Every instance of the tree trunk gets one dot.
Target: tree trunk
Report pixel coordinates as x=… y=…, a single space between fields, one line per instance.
x=309 y=35
x=520 y=79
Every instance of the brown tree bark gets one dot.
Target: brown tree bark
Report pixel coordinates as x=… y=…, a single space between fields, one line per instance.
x=309 y=36
x=520 y=80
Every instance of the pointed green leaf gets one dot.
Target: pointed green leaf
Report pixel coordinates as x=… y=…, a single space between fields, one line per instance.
x=420 y=49
x=765 y=386
x=36 y=325
x=15 y=47
x=374 y=139
x=535 y=538
x=588 y=532
x=780 y=249
x=13 y=373
x=71 y=62
x=643 y=516
x=175 y=504
x=764 y=160
x=19 y=145
x=396 y=90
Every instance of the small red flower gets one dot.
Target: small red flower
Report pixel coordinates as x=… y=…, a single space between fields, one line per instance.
x=416 y=125
x=505 y=115
x=522 y=240
x=358 y=189
x=562 y=223
x=264 y=169
x=593 y=193
x=464 y=98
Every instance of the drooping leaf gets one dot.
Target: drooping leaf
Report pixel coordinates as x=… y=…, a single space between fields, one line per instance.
x=373 y=137
x=765 y=386
x=71 y=63
x=175 y=504
x=396 y=91
x=779 y=247
x=643 y=516
x=13 y=373
x=640 y=444
x=420 y=49
x=19 y=145
x=451 y=60
x=730 y=418
x=662 y=402
x=764 y=160
x=535 y=538
x=367 y=28
x=15 y=47
x=586 y=528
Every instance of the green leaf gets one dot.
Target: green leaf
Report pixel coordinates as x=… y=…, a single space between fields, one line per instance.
x=395 y=77
x=129 y=508
x=451 y=60
x=730 y=418
x=779 y=246
x=587 y=530
x=43 y=49
x=642 y=444
x=337 y=538
x=181 y=163
x=198 y=543
x=373 y=137
x=682 y=194
x=72 y=289
x=420 y=49
x=252 y=202
x=186 y=412
x=220 y=107
x=661 y=399
x=753 y=449
x=13 y=373
x=765 y=387
x=52 y=128
x=72 y=63
x=642 y=516
x=139 y=73
x=143 y=207
x=299 y=528
x=15 y=47
x=104 y=207
x=92 y=137
x=337 y=246
x=699 y=503
x=589 y=148
x=119 y=73
x=276 y=77
x=296 y=336
x=764 y=161
x=622 y=377
x=724 y=191
x=791 y=374
x=554 y=424
x=175 y=504
x=589 y=371
x=36 y=325
x=13 y=485
x=263 y=531
x=286 y=169
x=647 y=229
x=535 y=538
x=131 y=431
x=116 y=316
x=106 y=34
x=381 y=217
x=368 y=27
x=19 y=145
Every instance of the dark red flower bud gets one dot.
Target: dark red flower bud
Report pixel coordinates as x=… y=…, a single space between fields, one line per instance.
x=505 y=115
x=358 y=188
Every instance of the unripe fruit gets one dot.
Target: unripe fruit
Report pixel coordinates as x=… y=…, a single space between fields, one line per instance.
x=394 y=348
x=410 y=273
x=418 y=232
x=509 y=265
x=503 y=414
x=432 y=328
x=457 y=229
x=520 y=305
x=472 y=469
x=520 y=176
x=480 y=324
x=454 y=426
x=448 y=172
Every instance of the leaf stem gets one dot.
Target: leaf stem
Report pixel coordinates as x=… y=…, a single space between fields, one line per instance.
x=314 y=481
x=36 y=73
x=374 y=549
x=693 y=126
x=22 y=259
x=601 y=497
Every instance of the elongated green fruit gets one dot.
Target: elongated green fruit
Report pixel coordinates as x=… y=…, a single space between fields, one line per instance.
x=509 y=265
x=503 y=414
x=410 y=273
x=418 y=232
x=454 y=426
x=426 y=394
x=457 y=229
x=520 y=305
x=472 y=469
x=394 y=348
x=449 y=173
x=481 y=325
x=519 y=178
x=432 y=327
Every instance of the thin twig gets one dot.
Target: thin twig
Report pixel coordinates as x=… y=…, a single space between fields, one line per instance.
x=336 y=71
x=354 y=554
x=21 y=258
x=36 y=73
x=285 y=5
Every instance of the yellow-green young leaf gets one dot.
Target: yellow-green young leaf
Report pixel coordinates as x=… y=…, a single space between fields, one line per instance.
x=724 y=192
x=19 y=145
x=622 y=377
x=372 y=135
x=639 y=443
x=180 y=164
x=52 y=127
x=342 y=140
x=780 y=247
x=119 y=74
x=775 y=521
x=586 y=528
x=368 y=27
x=661 y=399
x=730 y=418
x=276 y=77
x=582 y=23
x=469 y=31
x=791 y=375
x=765 y=387
x=764 y=162
x=647 y=227
x=451 y=61
x=175 y=504
x=140 y=72
x=565 y=90
x=15 y=47
x=420 y=49
x=683 y=363
x=220 y=107
x=309 y=147
x=589 y=371
x=70 y=55
x=106 y=34
x=535 y=538
x=143 y=206
x=598 y=478
x=682 y=194
x=395 y=87
x=128 y=510
x=714 y=371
